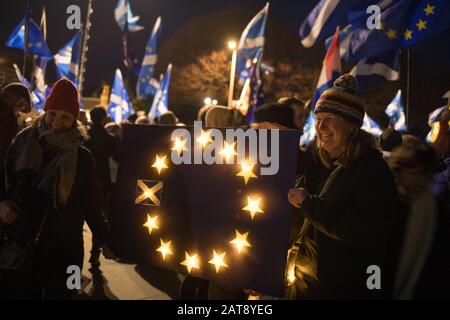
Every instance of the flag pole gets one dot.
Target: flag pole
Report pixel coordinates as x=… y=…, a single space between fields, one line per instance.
x=408 y=85
x=84 y=48
x=25 y=45
x=232 y=46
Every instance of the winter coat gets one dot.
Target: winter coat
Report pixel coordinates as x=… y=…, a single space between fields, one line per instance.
x=103 y=146
x=8 y=130
x=353 y=226
x=63 y=229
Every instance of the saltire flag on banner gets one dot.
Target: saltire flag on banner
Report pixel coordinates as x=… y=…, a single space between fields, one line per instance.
x=145 y=86
x=371 y=126
x=160 y=103
x=327 y=15
x=403 y=24
x=373 y=70
x=124 y=17
x=331 y=68
x=120 y=106
x=252 y=39
x=63 y=58
x=252 y=95
x=36 y=42
x=396 y=114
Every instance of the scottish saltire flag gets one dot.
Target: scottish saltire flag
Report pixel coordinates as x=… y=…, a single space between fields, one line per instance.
x=331 y=68
x=37 y=97
x=403 y=24
x=326 y=16
x=373 y=70
x=36 y=41
x=371 y=126
x=74 y=67
x=144 y=85
x=252 y=39
x=160 y=103
x=124 y=17
x=120 y=106
x=309 y=130
x=64 y=57
x=396 y=114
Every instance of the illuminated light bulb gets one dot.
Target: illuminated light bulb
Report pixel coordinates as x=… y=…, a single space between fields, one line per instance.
x=218 y=261
x=191 y=262
x=246 y=171
x=165 y=249
x=160 y=163
x=240 y=241
x=151 y=223
x=253 y=207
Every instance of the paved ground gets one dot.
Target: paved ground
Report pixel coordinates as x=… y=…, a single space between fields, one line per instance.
x=125 y=281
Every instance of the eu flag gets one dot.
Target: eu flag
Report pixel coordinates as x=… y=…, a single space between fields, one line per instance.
x=402 y=24
x=36 y=41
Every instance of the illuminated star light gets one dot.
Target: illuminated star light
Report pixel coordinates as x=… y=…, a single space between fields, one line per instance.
x=240 y=241
x=422 y=24
x=218 y=261
x=180 y=146
x=228 y=151
x=246 y=171
x=165 y=249
x=204 y=138
x=253 y=206
x=151 y=223
x=160 y=163
x=191 y=262
x=429 y=9
x=408 y=34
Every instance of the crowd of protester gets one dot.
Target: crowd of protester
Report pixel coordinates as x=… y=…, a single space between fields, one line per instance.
x=357 y=202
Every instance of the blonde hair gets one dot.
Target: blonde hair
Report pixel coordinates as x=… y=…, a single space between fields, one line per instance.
x=358 y=141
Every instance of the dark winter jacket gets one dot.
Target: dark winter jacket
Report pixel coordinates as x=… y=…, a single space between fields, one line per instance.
x=353 y=225
x=64 y=226
x=8 y=130
x=103 y=146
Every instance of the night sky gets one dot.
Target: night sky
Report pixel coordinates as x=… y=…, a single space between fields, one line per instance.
x=105 y=45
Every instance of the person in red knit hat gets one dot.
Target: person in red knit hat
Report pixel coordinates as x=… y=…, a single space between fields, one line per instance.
x=54 y=189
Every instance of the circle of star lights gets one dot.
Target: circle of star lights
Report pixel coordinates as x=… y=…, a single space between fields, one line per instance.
x=240 y=243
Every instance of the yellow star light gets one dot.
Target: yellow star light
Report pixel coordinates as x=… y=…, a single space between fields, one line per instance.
x=151 y=223
x=408 y=34
x=392 y=34
x=191 y=262
x=228 y=151
x=218 y=261
x=204 y=138
x=180 y=146
x=165 y=248
x=247 y=171
x=160 y=163
x=422 y=24
x=429 y=10
x=240 y=241
x=253 y=206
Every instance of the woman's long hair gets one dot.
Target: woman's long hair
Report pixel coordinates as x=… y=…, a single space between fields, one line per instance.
x=358 y=142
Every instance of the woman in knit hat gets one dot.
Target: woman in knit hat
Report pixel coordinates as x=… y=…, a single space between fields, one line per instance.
x=348 y=200
x=53 y=187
